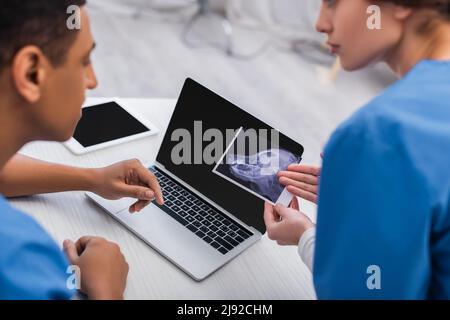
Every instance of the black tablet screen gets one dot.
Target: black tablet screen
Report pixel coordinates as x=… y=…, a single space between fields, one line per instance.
x=106 y=122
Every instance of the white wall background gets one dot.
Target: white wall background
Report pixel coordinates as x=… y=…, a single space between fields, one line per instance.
x=145 y=57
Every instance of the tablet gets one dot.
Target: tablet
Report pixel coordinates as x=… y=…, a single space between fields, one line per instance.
x=106 y=124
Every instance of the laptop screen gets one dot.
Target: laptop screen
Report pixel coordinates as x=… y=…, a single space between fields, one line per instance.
x=202 y=128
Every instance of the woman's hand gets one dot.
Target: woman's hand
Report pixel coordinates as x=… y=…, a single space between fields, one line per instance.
x=127 y=179
x=285 y=225
x=302 y=181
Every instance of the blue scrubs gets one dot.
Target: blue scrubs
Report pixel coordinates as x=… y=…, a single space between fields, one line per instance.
x=31 y=264
x=384 y=197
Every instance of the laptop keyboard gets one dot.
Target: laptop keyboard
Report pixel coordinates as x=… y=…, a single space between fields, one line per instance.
x=213 y=227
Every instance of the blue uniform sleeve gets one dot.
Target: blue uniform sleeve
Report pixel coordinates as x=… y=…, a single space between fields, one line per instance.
x=440 y=250
x=31 y=264
x=373 y=219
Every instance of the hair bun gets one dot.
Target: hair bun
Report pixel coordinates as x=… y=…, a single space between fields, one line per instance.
x=444 y=6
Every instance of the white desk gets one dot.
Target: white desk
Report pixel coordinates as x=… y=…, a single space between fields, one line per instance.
x=265 y=271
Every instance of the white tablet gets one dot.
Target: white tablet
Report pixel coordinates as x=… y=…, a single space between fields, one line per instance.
x=106 y=124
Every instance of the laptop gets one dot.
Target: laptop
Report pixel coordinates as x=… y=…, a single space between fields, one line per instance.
x=206 y=220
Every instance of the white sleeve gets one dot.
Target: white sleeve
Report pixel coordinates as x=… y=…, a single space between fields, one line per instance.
x=306 y=247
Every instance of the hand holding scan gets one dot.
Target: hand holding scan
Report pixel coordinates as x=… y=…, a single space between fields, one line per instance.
x=260 y=170
x=285 y=225
x=302 y=181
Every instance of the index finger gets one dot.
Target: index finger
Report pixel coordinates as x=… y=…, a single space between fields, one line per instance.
x=150 y=180
x=304 y=169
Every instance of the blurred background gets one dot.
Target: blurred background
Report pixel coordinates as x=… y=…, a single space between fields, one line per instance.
x=263 y=55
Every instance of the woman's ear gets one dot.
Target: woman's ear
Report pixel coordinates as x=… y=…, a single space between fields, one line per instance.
x=28 y=73
x=402 y=13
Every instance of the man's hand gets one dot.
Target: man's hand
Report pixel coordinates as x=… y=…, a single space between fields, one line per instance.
x=285 y=225
x=24 y=176
x=103 y=267
x=301 y=181
x=127 y=179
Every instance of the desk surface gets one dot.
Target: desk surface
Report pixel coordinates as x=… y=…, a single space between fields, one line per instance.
x=264 y=271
